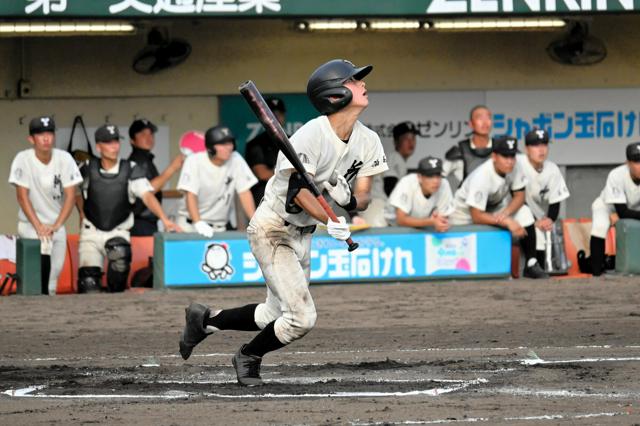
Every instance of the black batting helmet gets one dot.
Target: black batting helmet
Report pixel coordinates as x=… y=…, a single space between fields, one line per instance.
x=216 y=135
x=325 y=87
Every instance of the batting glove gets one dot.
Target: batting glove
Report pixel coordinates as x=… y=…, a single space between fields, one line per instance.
x=339 y=230
x=204 y=229
x=340 y=192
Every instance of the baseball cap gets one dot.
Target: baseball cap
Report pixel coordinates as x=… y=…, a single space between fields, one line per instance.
x=536 y=137
x=505 y=145
x=140 y=125
x=276 y=104
x=633 y=151
x=430 y=166
x=42 y=124
x=107 y=133
x=404 y=127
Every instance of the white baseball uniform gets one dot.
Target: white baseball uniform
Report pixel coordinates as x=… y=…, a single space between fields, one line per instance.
x=281 y=241
x=215 y=186
x=91 y=247
x=408 y=197
x=619 y=189
x=46 y=184
x=484 y=189
x=544 y=187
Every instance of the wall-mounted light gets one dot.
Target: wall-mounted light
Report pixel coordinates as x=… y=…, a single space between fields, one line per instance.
x=361 y=24
x=327 y=25
x=19 y=29
x=498 y=24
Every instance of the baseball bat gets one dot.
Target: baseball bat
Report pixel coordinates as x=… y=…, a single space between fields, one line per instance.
x=260 y=108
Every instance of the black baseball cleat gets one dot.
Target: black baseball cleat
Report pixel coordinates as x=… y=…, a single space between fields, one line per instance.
x=194 y=330
x=247 y=368
x=535 y=272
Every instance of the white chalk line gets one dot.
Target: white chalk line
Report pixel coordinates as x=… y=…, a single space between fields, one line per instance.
x=538 y=361
x=28 y=393
x=559 y=393
x=305 y=380
x=494 y=419
x=355 y=351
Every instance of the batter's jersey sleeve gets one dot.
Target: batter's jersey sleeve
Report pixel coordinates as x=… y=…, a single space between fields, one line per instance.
x=375 y=160
x=306 y=142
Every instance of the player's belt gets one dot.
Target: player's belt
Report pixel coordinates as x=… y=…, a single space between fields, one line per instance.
x=302 y=229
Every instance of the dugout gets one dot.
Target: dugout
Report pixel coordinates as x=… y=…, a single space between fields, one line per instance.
x=92 y=76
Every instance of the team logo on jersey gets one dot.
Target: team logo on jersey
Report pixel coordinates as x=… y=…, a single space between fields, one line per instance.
x=18 y=173
x=478 y=196
x=376 y=163
x=304 y=158
x=58 y=191
x=228 y=180
x=544 y=191
x=353 y=170
x=217 y=262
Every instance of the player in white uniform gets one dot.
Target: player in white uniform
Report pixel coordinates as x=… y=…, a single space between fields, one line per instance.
x=424 y=198
x=546 y=187
x=334 y=144
x=380 y=213
x=621 y=195
x=210 y=180
x=110 y=188
x=45 y=179
x=494 y=194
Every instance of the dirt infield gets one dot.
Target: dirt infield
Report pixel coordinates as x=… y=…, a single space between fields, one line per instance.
x=512 y=352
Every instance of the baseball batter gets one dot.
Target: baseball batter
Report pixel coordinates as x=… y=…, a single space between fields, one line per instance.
x=424 y=198
x=45 y=179
x=332 y=146
x=494 y=194
x=621 y=195
x=111 y=185
x=210 y=181
x=546 y=187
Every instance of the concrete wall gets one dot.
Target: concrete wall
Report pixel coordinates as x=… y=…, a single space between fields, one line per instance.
x=93 y=76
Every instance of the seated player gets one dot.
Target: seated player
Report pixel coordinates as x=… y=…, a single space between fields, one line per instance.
x=424 y=198
x=621 y=195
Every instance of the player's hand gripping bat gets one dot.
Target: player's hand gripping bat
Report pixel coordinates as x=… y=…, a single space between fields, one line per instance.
x=260 y=108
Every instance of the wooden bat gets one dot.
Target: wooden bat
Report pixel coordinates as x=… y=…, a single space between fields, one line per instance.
x=260 y=108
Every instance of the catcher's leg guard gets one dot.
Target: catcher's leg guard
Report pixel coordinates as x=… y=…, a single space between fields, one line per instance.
x=119 y=256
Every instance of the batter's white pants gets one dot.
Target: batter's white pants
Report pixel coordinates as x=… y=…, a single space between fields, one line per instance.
x=283 y=253
x=601 y=218
x=58 y=250
x=523 y=216
x=91 y=251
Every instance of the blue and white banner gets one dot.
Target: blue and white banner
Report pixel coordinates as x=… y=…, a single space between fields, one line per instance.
x=384 y=257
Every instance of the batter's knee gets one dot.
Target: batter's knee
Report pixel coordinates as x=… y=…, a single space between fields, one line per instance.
x=294 y=325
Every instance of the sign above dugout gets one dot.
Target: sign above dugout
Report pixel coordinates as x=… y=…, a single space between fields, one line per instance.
x=304 y=8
